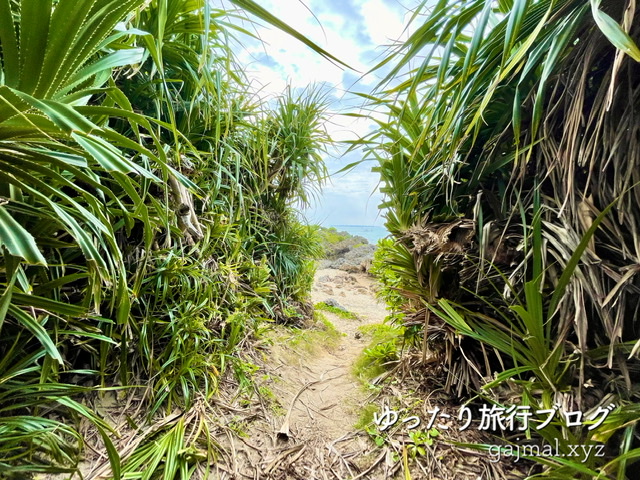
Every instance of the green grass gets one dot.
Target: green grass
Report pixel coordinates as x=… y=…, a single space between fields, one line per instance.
x=331 y=236
x=381 y=332
x=239 y=427
x=336 y=311
x=271 y=399
x=365 y=417
x=321 y=334
x=382 y=349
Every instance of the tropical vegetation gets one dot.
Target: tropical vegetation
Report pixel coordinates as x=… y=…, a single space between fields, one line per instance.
x=147 y=221
x=149 y=226
x=509 y=160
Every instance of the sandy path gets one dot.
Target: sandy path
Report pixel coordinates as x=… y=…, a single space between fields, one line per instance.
x=329 y=409
x=322 y=441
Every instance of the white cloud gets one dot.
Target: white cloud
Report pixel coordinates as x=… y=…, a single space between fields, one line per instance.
x=339 y=209
x=384 y=24
x=352 y=34
x=343 y=127
x=298 y=65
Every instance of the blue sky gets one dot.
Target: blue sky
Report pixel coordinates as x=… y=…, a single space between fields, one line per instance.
x=356 y=31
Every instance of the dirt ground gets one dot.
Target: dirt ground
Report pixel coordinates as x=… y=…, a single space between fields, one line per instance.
x=327 y=408
x=314 y=437
x=299 y=422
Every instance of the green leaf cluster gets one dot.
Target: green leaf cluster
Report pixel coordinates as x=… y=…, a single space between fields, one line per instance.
x=513 y=203
x=148 y=217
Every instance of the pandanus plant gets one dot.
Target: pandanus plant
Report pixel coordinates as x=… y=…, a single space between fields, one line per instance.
x=520 y=117
x=124 y=255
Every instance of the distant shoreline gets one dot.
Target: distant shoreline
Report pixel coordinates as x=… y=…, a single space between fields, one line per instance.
x=372 y=233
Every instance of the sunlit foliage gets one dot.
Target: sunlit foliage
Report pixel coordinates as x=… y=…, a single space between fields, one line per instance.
x=147 y=214
x=509 y=161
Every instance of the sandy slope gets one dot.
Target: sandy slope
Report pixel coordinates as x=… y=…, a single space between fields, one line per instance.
x=321 y=393
x=329 y=409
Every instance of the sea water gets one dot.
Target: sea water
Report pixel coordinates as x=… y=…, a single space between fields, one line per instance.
x=372 y=233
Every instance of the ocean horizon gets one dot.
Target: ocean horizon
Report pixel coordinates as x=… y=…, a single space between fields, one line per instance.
x=372 y=233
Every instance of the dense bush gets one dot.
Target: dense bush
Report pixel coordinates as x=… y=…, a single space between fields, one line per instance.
x=147 y=212
x=509 y=161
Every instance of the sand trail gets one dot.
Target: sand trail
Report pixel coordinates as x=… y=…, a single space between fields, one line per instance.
x=314 y=435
